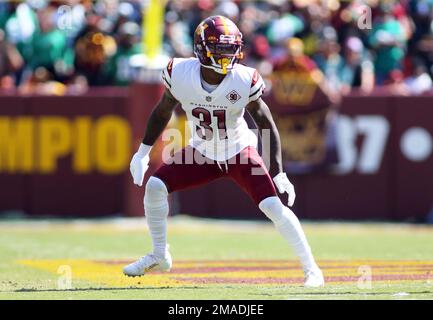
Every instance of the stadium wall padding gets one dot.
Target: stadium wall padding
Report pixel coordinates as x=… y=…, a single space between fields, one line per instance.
x=80 y=148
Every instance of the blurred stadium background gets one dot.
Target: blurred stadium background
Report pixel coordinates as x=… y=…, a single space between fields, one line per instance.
x=350 y=87
x=349 y=83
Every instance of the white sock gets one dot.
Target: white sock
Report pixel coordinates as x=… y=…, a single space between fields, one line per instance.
x=288 y=226
x=156 y=211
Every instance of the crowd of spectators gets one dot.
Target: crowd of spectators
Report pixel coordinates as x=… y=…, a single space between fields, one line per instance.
x=67 y=45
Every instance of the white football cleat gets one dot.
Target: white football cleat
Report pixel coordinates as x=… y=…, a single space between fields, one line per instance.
x=148 y=263
x=314 y=278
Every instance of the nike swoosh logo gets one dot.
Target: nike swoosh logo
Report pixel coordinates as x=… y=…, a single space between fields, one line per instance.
x=150 y=267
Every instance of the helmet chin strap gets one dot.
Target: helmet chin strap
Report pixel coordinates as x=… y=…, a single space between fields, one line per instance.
x=216 y=69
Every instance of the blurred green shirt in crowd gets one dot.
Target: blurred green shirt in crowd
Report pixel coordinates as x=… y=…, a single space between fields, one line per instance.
x=119 y=68
x=48 y=48
x=388 y=39
x=20 y=29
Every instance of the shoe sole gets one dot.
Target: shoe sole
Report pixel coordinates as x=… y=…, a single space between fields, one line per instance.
x=319 y=286
x=154 y=267
x=141 y=275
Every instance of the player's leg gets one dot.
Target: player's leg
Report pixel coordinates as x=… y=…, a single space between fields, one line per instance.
x=289 y=227
x=188 y=168
x=251 y=174
x=156 y=209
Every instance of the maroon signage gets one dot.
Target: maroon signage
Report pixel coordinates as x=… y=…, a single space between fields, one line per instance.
x=70 y=156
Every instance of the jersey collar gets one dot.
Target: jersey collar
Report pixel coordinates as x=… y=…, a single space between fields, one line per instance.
x=221 y=89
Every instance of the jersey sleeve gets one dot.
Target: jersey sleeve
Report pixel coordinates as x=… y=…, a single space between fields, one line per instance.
x=166 y=75
x=257 y=87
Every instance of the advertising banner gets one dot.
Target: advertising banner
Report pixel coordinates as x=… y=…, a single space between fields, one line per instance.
x=69 y=156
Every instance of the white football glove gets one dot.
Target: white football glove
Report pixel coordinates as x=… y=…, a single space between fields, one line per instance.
x=284 y=185
x=139 y=164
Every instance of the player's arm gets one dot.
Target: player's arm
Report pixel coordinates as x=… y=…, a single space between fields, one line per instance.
x=159 y=118
x=263 y=118
x=156 y=124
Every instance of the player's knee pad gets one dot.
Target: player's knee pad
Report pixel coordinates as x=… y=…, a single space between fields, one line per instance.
x=155 y=195
x=274 y=209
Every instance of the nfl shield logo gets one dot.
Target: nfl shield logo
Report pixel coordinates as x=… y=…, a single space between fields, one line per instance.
x=208 y=98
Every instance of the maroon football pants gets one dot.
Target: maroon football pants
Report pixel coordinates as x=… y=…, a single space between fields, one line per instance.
x=189 y=168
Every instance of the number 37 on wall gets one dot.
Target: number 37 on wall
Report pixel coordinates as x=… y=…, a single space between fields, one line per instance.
x=366 y=159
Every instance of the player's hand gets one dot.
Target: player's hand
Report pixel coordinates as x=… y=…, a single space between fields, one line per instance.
x=284 y=185
x=139 y=164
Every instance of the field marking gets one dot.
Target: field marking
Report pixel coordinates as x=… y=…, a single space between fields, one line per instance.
x=244 y=272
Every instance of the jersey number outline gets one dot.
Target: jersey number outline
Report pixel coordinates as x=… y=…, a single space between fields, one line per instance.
x=205 y=130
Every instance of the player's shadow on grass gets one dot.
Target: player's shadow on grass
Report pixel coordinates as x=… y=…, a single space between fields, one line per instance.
x=101 y=289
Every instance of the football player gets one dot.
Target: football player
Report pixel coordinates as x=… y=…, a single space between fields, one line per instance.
x=214 y=91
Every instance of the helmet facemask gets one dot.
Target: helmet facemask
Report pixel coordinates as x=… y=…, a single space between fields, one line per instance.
x=220 y=56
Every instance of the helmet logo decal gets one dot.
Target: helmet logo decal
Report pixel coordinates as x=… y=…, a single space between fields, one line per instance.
x=201 y=28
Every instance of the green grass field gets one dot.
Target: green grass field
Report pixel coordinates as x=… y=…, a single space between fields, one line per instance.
x=212 y=260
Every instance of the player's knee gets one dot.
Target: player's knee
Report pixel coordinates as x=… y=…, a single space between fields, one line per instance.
x=273 y=208
x=156 y=191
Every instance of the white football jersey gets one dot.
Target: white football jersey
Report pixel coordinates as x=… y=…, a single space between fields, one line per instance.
x=218 y=128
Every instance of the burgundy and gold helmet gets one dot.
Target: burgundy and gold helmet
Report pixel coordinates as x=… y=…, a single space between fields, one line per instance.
x=218 y=44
